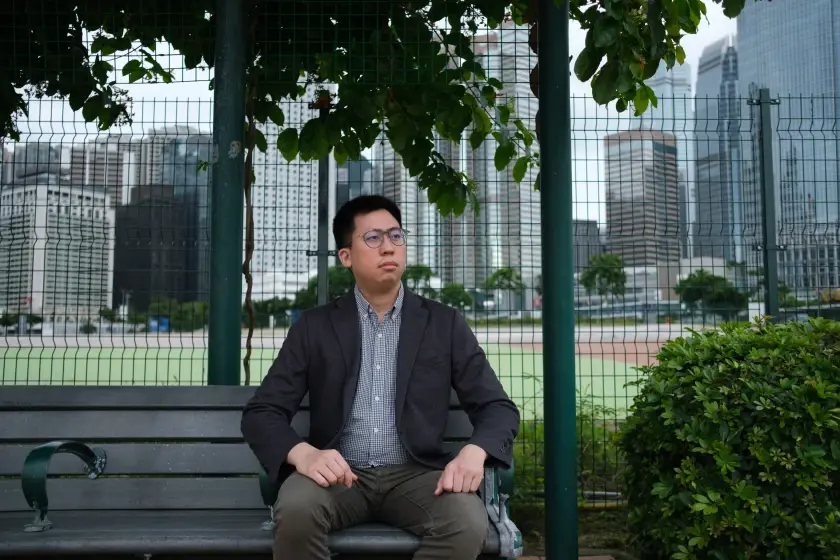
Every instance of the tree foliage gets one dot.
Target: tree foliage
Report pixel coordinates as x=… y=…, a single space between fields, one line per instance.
x=396 y=68
x=731 y=446
x=711 y=294
x=340 y=281
x=604 y=275
x=506 y=279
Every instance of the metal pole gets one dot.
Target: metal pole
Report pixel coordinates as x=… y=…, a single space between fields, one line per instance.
x=323 y=223
x=561 y=522
x=769 y=246
x=227 y=197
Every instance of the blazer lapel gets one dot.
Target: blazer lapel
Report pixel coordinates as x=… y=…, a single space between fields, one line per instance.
x=345 y=322
x=412 y=327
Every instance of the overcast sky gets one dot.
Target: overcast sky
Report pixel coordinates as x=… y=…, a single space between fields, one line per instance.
x=188 y=101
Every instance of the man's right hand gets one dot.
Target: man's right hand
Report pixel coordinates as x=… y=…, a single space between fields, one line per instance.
x=327 y=468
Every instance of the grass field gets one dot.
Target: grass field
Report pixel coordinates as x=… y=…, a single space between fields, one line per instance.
x=520 y=370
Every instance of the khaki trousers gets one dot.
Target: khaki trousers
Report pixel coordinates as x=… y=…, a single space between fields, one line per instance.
x=452 y=526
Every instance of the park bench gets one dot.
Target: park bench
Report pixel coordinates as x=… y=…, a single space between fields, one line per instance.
x=148 y=471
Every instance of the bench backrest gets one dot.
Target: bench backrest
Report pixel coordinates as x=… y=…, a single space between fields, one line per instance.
x=167 y=447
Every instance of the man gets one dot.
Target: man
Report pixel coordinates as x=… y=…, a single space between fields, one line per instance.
x=379 y=364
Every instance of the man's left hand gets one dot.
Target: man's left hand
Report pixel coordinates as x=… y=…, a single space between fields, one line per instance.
x=464 y=472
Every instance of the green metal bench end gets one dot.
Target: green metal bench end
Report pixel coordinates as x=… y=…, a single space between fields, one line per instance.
x=36 y=467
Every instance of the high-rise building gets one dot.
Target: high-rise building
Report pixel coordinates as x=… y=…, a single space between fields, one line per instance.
x=57 y=246
x=673 y=115
x=642 y=197
x=587 y=242
x=285 y=200
x=792 y=49
x=718 y=142
x=154 y=248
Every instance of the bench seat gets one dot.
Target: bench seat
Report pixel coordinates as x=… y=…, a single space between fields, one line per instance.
x=187 y=531
x=164 y=471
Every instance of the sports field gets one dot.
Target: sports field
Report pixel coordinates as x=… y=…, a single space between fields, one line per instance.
x=520 y=369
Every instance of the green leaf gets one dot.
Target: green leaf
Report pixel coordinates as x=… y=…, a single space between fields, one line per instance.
x=92 y=108
x=640 y=102
x=606 y=31
x=476 y=138
x=604 y=82
x=132 y=66
x=275 y=113
x=520 y=168
x=313 y=140
x=588 y=62
x=260 y=141
x=495 y=83
x=79 y=95
x=287 y=143
x=504 y=114
x=504 y=153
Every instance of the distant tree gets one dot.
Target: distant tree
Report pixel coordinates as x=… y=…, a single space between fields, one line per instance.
x=727 y=301
x=418 y=278
x=711 y=294
x=505 y=279
x=456 y=296
x=340 y=282
x=8 y=320
x=108 y=315
x=604 y=275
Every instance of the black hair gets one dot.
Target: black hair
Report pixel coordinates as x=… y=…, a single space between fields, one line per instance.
x=344 y=223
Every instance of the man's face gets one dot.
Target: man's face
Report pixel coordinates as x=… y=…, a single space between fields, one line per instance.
x=375 y=254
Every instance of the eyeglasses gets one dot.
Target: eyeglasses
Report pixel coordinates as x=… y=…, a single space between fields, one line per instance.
x=376 y=237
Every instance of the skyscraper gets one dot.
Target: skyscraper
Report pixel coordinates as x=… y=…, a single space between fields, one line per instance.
x=642 y=197
x=673 y=115
x=792 y=48
x=717 y=129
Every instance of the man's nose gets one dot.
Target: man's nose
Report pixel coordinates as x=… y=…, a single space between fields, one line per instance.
x=387 y=247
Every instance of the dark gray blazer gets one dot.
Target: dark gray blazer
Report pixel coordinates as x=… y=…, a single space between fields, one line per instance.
x=437 y=352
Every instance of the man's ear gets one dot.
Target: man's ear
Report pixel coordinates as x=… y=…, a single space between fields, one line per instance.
x=344 y=256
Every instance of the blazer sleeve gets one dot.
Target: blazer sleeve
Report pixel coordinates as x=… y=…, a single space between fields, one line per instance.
x=267 y=417
x=494 y=416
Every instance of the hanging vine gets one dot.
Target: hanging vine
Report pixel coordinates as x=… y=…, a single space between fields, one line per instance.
x=251 y=95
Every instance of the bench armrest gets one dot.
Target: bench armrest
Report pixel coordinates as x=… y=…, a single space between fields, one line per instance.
x=495 y=491
x=33 y=479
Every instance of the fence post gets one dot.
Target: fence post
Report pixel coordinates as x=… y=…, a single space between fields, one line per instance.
x=227 y=197
x=769 y=246
x=323 y=224
x=561 y=453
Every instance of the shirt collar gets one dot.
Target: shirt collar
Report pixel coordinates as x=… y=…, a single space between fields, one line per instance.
x=365 y=308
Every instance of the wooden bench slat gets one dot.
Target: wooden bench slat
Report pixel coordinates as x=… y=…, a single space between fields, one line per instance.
x=121 y=425
x=139 y=493
x=212 y=425
x=146 y=458
x=52 y=397
x=210 y=532
x=154 y=458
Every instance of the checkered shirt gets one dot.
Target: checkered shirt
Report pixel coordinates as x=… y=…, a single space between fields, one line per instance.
x=370 y=438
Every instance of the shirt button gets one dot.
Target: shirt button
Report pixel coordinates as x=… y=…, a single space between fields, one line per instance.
x=376 y=398
x=378 y=367
x=379 y=335
x=376 y=430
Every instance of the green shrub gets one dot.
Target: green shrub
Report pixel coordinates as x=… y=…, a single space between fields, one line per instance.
x=733 y=445
x=597 y=455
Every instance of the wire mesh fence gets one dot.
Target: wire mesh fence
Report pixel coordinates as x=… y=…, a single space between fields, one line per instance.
x=105 y=238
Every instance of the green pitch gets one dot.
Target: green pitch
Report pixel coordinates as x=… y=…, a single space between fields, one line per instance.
x=520 y=370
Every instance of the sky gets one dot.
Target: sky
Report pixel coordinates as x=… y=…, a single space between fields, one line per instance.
x=188 y=101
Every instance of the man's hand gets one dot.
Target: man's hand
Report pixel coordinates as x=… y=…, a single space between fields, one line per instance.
x=327 y=468
x=464 y=472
